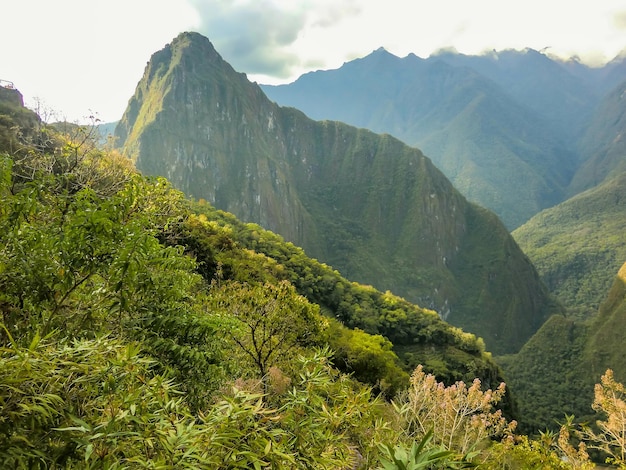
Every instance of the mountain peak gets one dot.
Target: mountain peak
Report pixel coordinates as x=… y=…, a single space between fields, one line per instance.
x=195 y=44
x=380 y=54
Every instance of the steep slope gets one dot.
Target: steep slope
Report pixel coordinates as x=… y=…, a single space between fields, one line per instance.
x=495 y=147
x=605 y=346
x=548 y=376
x=220 y=247
x=603 y=145
x=113 y=320
x=369 y=205
x=555 y=372
x=579 y=244
x=15 y=117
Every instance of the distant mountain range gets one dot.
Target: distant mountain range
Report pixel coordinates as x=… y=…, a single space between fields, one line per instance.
x=503 y=127
x=372 y=207
x=603 y=143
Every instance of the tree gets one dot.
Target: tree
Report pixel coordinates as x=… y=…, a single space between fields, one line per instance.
x=369 y=358
x=273 y=320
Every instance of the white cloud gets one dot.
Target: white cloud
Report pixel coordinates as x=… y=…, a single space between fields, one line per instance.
x=83 y=56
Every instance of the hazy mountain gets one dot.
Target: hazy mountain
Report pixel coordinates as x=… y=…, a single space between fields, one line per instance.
x=603 y=143
x=372 y=207
x=578 y=245
x=541 y=83
x=502 y=126
x=602 y=78
x=106 y=130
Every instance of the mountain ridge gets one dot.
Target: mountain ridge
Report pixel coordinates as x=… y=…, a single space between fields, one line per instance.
x=502 y=127
x=341 y=193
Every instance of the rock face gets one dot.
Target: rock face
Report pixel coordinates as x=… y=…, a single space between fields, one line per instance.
x=367 y=204
x=10 y=95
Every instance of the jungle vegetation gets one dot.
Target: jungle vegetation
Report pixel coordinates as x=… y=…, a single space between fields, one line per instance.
x=141 y=329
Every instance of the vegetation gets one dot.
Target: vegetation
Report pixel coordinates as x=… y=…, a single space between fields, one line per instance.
x=503 y=141
x=578 y=246
x=554 y=374
x=138 y=332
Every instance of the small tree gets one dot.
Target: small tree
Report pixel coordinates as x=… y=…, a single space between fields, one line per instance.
x=274 y=320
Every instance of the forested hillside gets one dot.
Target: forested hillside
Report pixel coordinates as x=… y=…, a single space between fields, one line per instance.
x=126 y=312
x=556 y=370
x=578 y=245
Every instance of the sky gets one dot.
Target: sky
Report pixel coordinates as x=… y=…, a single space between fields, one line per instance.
x=72 y=59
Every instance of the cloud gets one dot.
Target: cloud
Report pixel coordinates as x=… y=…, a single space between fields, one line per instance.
x=256 y=36
x=619 y=20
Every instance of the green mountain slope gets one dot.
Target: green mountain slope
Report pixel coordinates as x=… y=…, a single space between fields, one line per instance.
x=555 y=372
x=603 y=145
x=370 y=206
x=605 y=346
x=487 y=126
x=579 y=244
x=139 y=329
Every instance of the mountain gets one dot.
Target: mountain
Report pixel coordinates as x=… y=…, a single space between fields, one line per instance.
x=374 y=208
x=578 y=245
x=605 y=344
x=13 y=115
x=555 y=372
x=106 y=130
x=220 y=247
x=541 y=83
x=502 y=127
x=603 y=142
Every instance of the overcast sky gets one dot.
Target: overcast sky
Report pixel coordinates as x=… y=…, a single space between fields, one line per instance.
x=82 y=57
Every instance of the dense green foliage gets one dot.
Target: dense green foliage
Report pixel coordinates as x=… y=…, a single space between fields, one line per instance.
x=549 y=376
x=579 y=245
x=554 y=374
x=118 y=349
x=412 y=330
